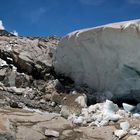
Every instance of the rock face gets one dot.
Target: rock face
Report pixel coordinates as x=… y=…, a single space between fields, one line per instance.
x=30 y=55
x=106 y=58
x=23 y=125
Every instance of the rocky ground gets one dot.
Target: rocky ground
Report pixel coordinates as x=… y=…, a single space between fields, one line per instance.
x=37 y=104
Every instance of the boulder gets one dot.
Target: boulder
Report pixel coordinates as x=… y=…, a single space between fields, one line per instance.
x=82 y=100
x=120 y=133
x=106 y=58
x=51 y=133
x=133 y=131
x=65 y=111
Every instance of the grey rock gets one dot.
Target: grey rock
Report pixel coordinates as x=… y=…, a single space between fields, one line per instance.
x=133 y=131
x=67 y=133
x=15 y=104
x=14 y=78
x=120 y=133
x=65 y=111
x=57 y=84
x=18 y=91
x=7 y=136
x=53 y=104
x=2 y=74
x=82 y=100
x=48 y=97
x=52 y=133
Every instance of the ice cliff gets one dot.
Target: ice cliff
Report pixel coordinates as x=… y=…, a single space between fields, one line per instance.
x=106 y=58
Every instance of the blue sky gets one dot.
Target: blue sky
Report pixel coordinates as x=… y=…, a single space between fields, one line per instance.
x=59 y=17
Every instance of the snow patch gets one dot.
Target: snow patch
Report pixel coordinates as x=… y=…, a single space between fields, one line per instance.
x=1 y=25
x=15 y=33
